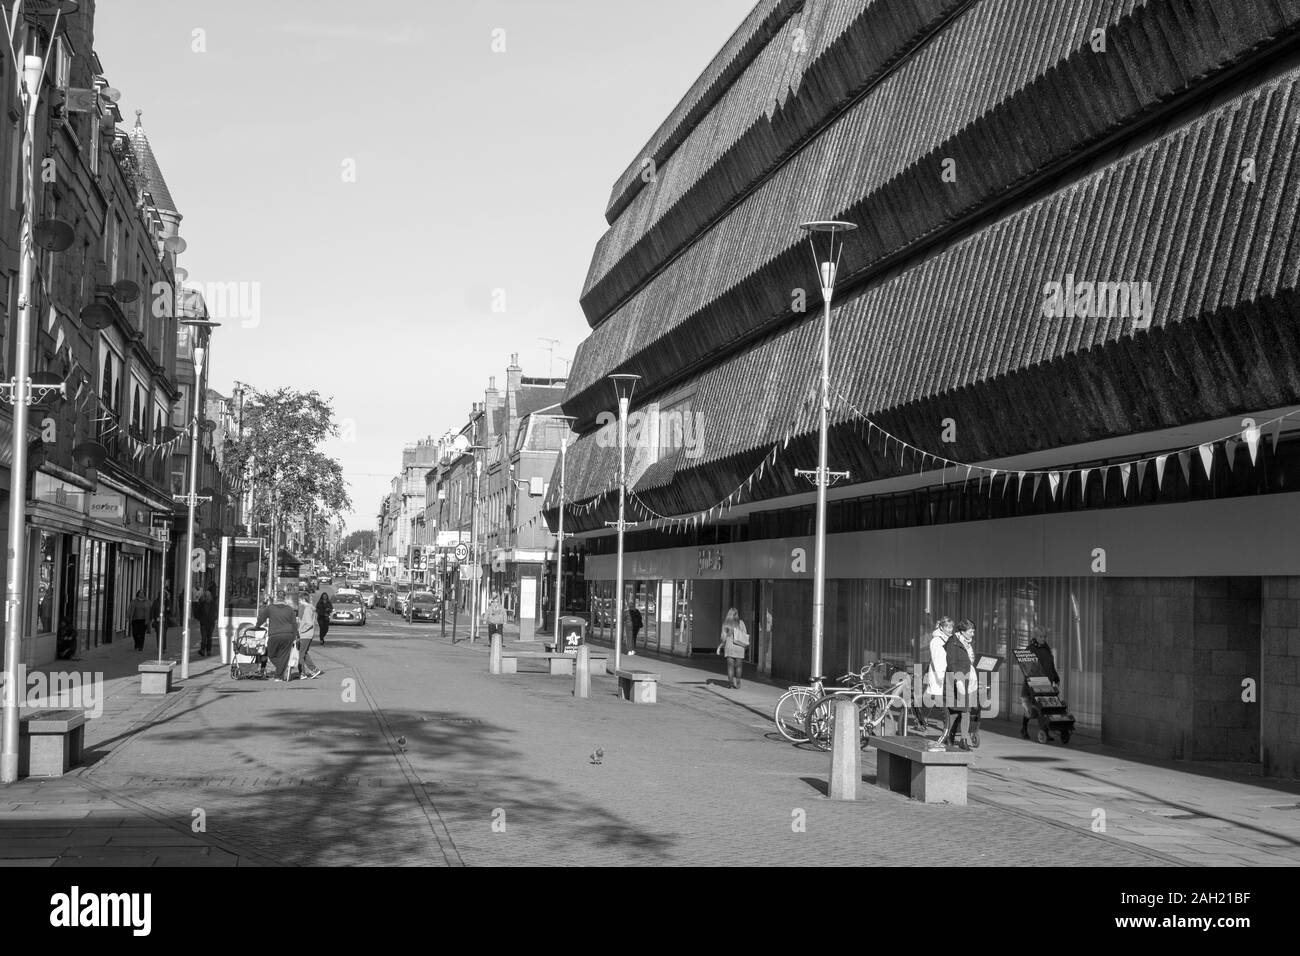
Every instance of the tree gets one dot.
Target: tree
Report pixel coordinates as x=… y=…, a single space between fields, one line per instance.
x=362 y=542
x=279 y=460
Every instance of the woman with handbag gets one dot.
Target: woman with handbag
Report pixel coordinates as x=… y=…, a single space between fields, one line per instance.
x=734 y=646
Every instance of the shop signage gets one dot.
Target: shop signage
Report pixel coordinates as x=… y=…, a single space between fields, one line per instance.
x=53 y=491
x=108 y=507
x=710 y=560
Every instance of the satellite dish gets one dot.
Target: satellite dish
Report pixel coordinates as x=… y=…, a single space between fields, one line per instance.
x=111 y=94
x=96 y=316
x=461 y=444
x=90 y=454
x=208 y=425
x=180 y=274
x=174 y=244
x=53 y=235
x=124 y=290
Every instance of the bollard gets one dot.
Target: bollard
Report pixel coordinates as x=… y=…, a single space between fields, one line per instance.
x=582 y=672
x=494 y=655
x=844 y=750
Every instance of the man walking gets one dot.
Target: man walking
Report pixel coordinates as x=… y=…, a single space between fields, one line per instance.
x=282 y=630
x=208 y=622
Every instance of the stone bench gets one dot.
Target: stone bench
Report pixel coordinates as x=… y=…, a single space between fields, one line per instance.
x=50 y=742
x=640 y=687
x=558 y=664
x=906 y=765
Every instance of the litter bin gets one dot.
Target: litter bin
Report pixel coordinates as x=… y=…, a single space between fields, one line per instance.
x=573 y=634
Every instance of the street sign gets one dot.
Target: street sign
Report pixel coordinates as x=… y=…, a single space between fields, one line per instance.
x=462 y=552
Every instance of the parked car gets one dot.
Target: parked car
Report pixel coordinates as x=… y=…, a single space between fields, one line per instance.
x=367 y=592
x=397 y=600
x=423 y=606
x=348 y=608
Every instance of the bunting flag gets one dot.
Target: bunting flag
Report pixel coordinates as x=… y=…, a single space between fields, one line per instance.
x=1105 y=473
x=1277 y=433
x=1230 y=449
x=1053 y=481
x=1142 y=473
x=1020 y=485
x=1207 y=458
x=54 y=317
x=1160 y=469
x=58 y=341
x=1038 y=480
x=1184 y=465
x=1083 y=483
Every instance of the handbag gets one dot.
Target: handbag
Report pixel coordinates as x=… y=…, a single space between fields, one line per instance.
x=740 y=636
x=293 y=656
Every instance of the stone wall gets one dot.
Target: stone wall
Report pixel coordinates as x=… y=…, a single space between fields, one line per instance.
x=1279 y=685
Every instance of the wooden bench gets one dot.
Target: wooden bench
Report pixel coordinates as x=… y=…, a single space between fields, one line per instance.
x=906 y=765
x=558 y=664
x=50 y=742
x=640 y=687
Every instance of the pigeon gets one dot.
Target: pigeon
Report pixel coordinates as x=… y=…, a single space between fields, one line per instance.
x=598 y=756
x=401 y=741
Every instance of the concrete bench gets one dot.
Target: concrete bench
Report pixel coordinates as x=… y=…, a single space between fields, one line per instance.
x=906 y=765
x=640 y=687
x=50 y=742
x=558 y=664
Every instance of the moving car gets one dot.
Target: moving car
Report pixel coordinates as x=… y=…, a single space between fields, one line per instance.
x=367 y=592
x=348 y=608
x=423 y=606
x=325 y=579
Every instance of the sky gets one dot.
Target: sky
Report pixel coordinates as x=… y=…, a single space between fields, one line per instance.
x=365 y=182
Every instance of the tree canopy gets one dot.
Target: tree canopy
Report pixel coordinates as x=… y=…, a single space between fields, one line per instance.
x=279 y=459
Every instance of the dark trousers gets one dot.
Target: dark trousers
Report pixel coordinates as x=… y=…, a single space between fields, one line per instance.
x=205 y=636
x=322 y=626
x=138 y=631
x=278 y=650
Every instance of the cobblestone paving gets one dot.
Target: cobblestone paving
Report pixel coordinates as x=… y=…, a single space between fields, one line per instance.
x=408 y=753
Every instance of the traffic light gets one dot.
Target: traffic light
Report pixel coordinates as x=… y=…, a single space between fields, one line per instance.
x=417 y=558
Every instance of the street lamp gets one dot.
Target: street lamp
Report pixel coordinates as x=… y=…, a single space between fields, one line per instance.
x=559 y=533
x=20 y=387
x=191 y=499
x=624 y=386
x=827 y=262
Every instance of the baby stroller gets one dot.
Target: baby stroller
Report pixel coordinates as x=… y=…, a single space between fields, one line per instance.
x=248 y=656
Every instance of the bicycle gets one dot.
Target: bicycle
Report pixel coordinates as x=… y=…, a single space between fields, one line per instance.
x=876 y=712
x=791 y=711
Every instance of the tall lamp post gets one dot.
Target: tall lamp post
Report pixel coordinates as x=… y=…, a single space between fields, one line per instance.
x=192 y=499
x=827 y=261
x=624 y=386
x=559 y=533
x=20 y=388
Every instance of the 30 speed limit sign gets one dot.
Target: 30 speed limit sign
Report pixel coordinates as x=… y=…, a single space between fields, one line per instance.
x=462 y=552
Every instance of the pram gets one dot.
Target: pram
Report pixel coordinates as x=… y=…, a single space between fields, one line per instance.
x=1042 y=700
x=248 y=656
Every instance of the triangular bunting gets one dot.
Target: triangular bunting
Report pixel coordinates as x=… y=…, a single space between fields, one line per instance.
x=1230 y=449
x=1038 y=479
x=1207 y=458
x=1160 y=470
x=1053 y=482
x=49 y=323
x=1083 y=483
x=1277 y=434
x=1185 y=466
x=1105 y=474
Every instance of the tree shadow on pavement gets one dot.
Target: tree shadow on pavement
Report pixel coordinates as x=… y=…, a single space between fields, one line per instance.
x=343 y=788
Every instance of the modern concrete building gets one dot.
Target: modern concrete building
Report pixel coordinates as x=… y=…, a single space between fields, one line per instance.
x=1065 y=354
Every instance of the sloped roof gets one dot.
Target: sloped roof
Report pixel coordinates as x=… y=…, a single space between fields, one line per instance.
x=155 y=184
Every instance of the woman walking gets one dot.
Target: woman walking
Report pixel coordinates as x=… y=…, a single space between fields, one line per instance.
x=960 y=655
x=139 y=614
x=306 y=634
x=735 y=644
x=324 y=608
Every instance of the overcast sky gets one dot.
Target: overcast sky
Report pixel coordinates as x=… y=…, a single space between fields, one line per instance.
x=372 y=172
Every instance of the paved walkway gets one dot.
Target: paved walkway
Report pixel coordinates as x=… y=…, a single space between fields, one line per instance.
x=407 y=752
